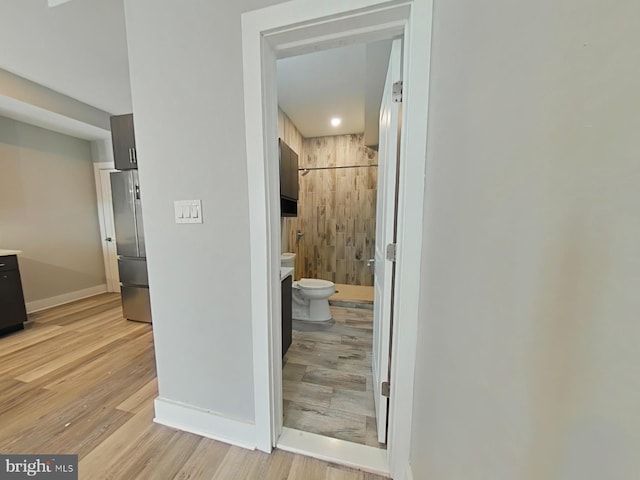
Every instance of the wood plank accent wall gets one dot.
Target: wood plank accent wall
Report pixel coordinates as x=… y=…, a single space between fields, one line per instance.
x=336 y=210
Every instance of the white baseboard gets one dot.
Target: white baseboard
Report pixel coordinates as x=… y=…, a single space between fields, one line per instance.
x=204 y=423
x=45 y=303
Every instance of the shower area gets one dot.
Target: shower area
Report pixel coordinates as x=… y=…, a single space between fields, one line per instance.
x=333 y=235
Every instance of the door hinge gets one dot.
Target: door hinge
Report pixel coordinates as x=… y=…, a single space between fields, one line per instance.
x=386 y=389
x=396 y=93
x=392 y=251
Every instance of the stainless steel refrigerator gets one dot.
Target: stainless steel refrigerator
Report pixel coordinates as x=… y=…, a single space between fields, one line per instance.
x=132 y=255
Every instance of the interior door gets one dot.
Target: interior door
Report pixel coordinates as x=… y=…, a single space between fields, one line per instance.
x=108 y=232
x=385 y=235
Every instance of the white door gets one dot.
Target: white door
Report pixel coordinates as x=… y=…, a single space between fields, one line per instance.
x=107 y=230
x=385 y=235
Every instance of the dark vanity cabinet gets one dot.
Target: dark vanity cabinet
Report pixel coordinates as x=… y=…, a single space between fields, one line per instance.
x=287 y=313
x=12 y=310
x=123 y=140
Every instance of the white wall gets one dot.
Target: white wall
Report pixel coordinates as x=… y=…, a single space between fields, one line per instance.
x=529 y=341
x=186 y=78
x=48 y=210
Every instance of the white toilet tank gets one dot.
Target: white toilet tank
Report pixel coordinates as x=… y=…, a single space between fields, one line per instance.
x=288 y=260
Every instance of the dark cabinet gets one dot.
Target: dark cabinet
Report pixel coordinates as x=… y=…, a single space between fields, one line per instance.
x=287 y=314
x=12 y=310
x=123 y=140
x=289 y=186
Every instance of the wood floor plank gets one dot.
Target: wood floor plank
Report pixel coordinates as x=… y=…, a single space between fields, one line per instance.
x=204 y=461
x=307 y=468
x=162 y=464
x=27 y=338
x=81 y=379
x=77 y=354
x=112 y=448
x=241 y=464
x=337 y=474
x=140 y=398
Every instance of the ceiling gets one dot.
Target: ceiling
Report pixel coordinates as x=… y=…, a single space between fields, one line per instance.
x=79 y=49
x=343 y=82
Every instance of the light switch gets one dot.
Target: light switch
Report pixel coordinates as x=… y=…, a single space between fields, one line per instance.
x=188 y=211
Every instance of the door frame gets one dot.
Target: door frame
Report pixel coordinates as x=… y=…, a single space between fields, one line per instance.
x=297 y=27
x=112 y=281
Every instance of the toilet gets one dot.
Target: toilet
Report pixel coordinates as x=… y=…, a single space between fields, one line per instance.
x=310 y=295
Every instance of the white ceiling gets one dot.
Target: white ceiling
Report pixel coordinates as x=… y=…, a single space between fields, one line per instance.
x=77 y=48
x=315 y=87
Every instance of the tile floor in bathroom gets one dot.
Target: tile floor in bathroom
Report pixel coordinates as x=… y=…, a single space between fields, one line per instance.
x=327 y=379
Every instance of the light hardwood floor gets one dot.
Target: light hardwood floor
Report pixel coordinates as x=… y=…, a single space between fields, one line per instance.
x=327 y=377
x=81 y=379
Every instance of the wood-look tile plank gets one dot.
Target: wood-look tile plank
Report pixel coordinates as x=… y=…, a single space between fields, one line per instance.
x=371 y=434
x=307 y=393
x=293 y=371
x=317 y=359
x=334 y=378
x=353 y=402
x=350 y=379
x=326 y=421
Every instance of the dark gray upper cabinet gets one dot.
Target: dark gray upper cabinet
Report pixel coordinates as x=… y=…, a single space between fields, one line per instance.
x=288 y=172
x=124 y=142
x=288 y=181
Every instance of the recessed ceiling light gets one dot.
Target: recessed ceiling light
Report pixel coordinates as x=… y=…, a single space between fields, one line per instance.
x=335 y=121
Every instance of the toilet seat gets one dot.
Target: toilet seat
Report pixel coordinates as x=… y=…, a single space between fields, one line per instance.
x=314 y=283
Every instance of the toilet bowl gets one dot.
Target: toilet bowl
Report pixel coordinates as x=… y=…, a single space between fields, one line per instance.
x=311 y=299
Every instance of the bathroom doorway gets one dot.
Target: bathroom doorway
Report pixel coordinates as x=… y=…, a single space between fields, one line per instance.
x=291 y=29
x=333 y=370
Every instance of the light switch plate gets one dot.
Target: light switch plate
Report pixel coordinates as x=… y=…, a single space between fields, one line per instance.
x=188 y=211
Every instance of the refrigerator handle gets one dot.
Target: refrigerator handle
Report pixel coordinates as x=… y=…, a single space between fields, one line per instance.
x=136 y=196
